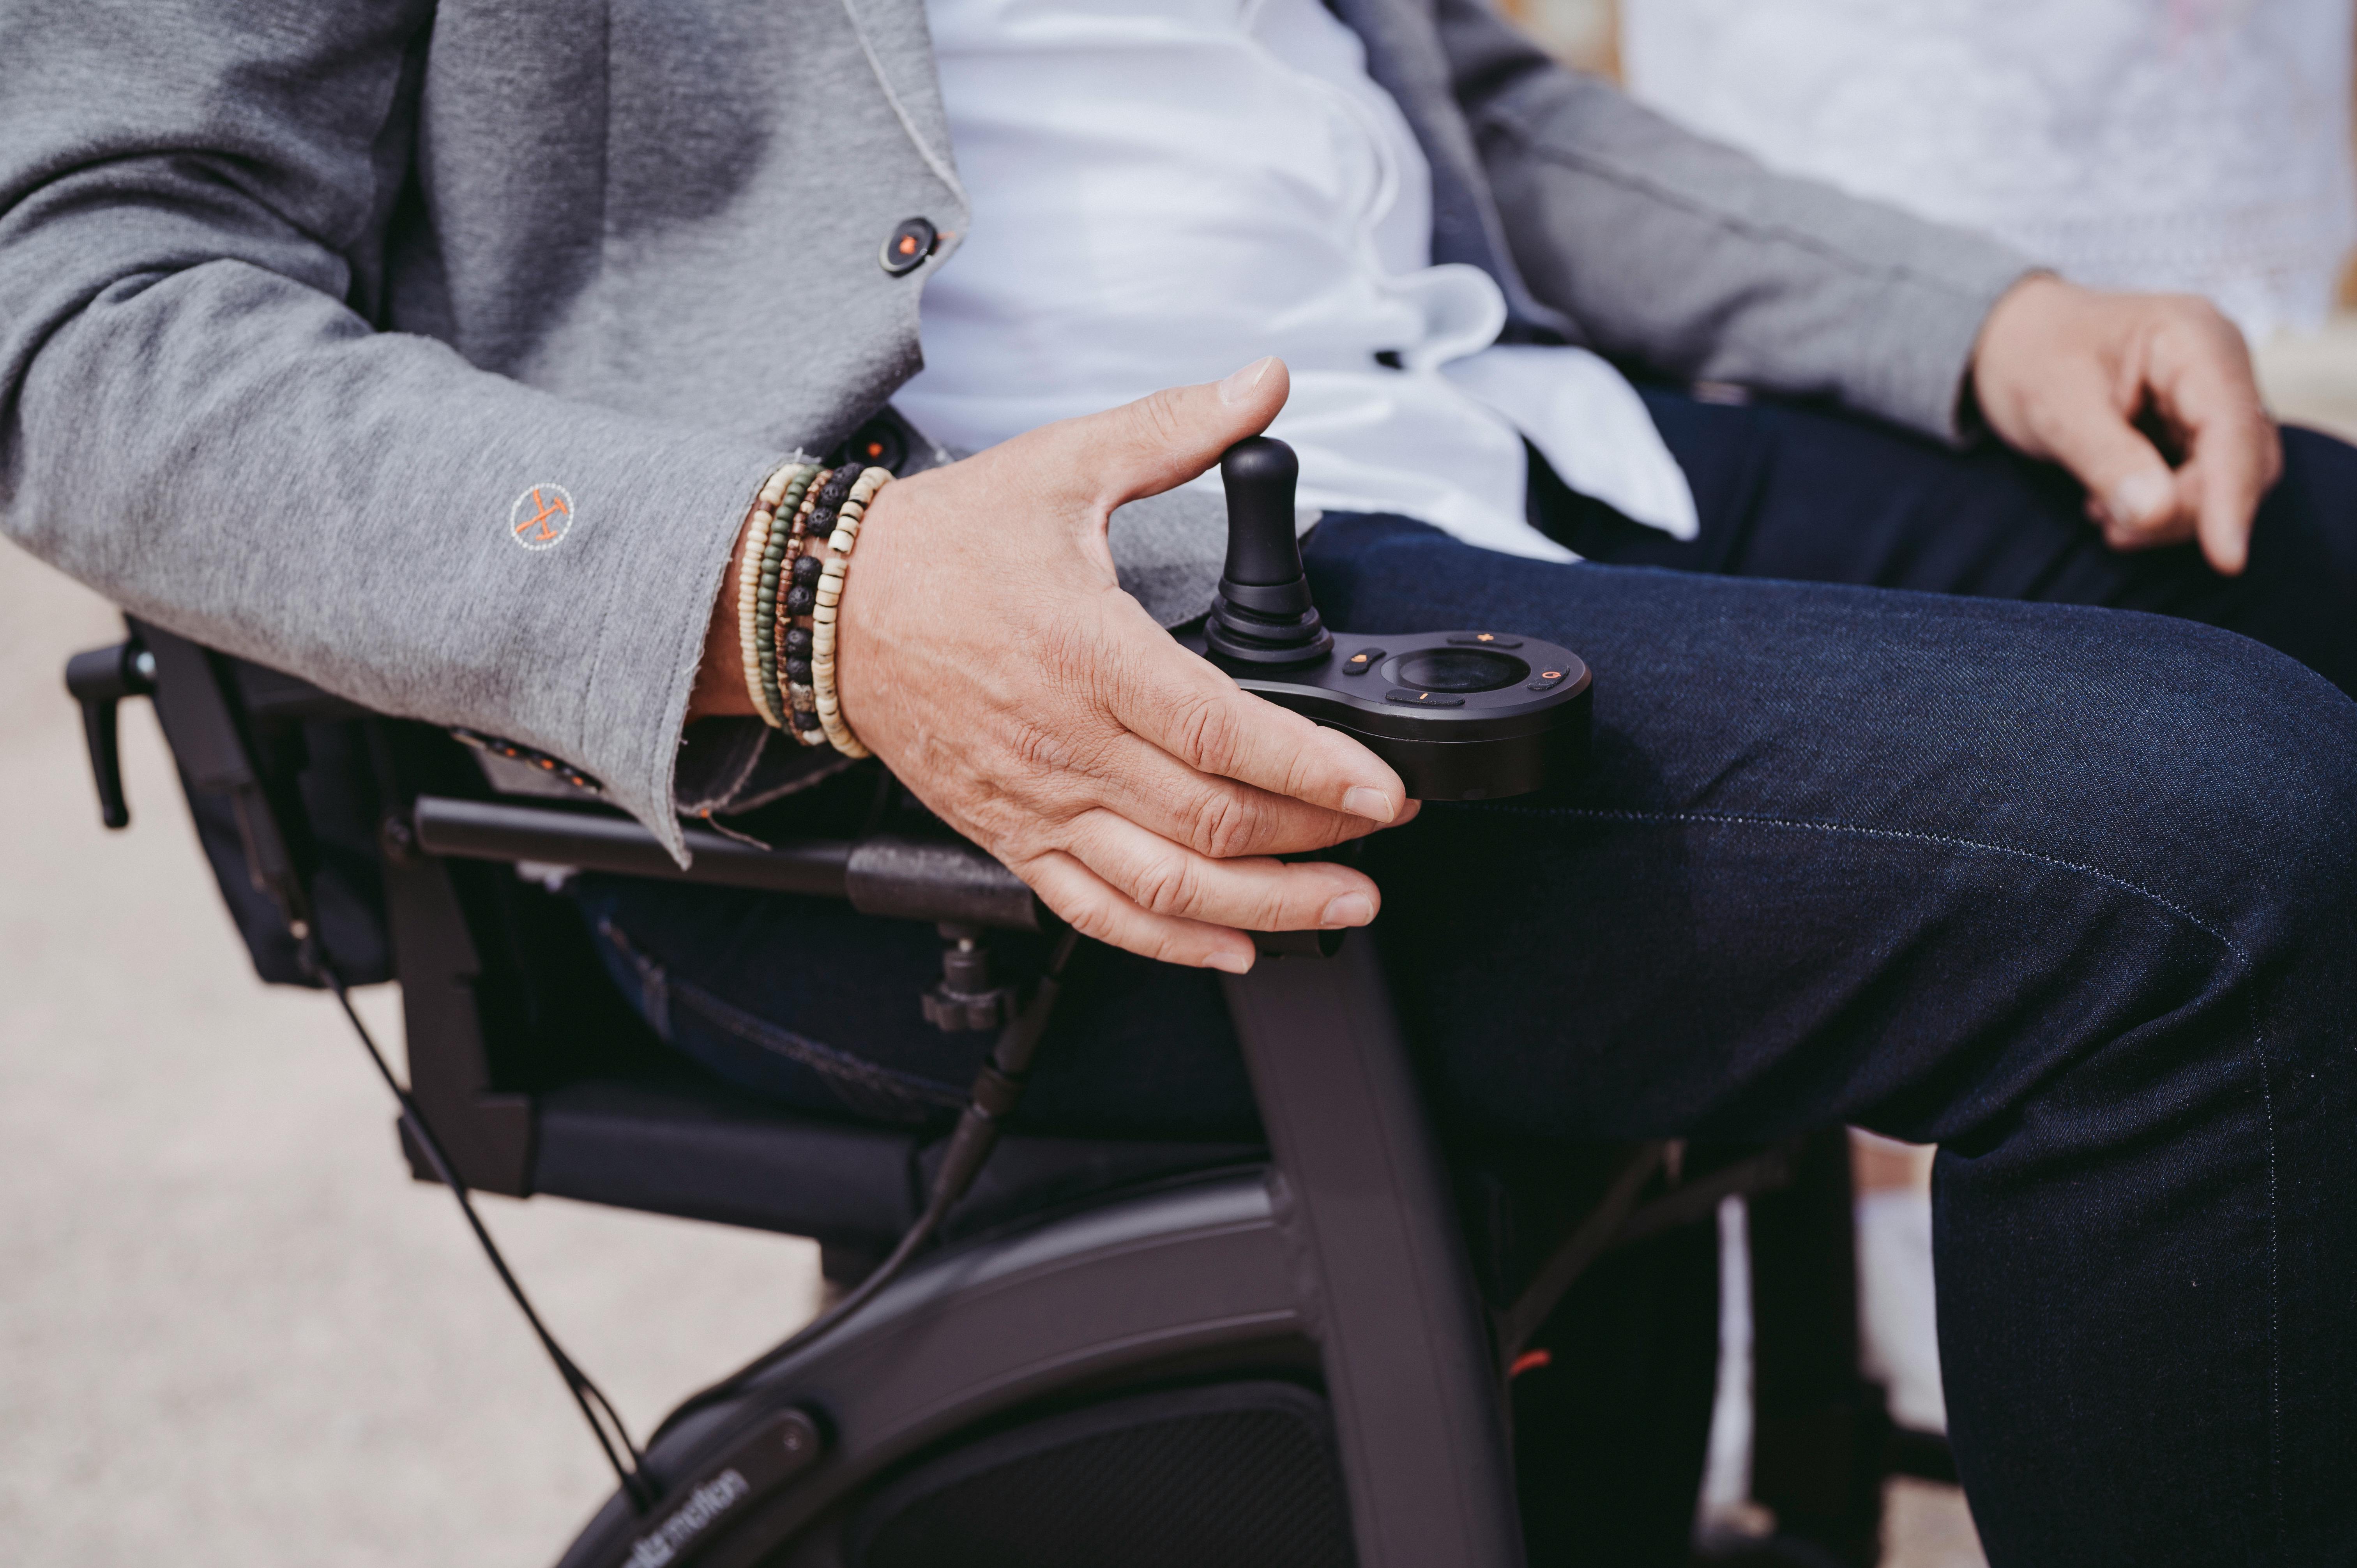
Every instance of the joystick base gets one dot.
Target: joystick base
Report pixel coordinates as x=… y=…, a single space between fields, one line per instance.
x=1476 y=770
x=1499 y=715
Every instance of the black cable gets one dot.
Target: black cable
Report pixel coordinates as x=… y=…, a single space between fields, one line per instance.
x=997 y=1089
x=604 y=1421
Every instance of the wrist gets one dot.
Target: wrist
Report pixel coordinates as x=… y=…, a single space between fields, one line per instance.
x=720 y=691
x=2025 y=318
x=770 y=647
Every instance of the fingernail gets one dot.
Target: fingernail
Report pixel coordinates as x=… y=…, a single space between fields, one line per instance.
x=1373 y=804
x=1240 y=385
x=2141 y=499
x=1349 y=910
x=1233 y=961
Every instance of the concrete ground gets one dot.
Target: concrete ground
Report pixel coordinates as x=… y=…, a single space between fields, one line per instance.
x=231 y=1330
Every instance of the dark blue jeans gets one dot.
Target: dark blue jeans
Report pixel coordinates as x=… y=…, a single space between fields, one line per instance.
x=2069 y=890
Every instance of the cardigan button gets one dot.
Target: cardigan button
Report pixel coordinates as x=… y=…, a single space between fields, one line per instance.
x=908 y=246
x=878 y=442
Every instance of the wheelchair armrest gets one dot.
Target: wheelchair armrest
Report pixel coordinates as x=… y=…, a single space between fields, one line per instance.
x=903 y=879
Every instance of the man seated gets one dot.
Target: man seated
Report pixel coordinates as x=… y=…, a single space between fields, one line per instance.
x=445 y=355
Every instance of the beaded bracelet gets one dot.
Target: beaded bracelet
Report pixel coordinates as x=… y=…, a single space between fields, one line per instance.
x=516 y=751
x=772 y=543
x=801 y=596
x=748 y=567
x=828 y=598
x=810 y=575
x=791 y=650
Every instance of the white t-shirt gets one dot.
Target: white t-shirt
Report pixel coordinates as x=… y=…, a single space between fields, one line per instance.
x=1164 y=190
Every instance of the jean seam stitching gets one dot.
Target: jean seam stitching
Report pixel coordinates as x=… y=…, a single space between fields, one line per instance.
x=1732 y=819
x=839 y=1068
x=654 y=988
x=819 y=1058
x=2258 y=1046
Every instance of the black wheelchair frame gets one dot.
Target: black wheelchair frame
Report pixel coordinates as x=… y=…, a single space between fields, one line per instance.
x=1075 y=1271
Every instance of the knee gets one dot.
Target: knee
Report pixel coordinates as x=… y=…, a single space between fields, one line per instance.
x=2192 y=798
x=2233 y=774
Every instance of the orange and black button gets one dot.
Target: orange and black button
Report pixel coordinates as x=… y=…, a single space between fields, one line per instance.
x=1359 y=663
x=908 y=246
x=878 y=442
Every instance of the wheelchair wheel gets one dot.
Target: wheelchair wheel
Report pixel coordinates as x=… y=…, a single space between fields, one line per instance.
x=1234 y=1473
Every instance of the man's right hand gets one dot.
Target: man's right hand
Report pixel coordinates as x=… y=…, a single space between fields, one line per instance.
x=988 y=655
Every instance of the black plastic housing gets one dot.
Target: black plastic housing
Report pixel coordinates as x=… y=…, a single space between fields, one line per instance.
x=1505 y=741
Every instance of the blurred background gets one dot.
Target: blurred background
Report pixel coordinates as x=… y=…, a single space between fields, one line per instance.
x=2187 y=146
x=214 y=1267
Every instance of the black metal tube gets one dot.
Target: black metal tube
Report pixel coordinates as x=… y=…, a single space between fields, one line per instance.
x=491 y=829
x=910 y=879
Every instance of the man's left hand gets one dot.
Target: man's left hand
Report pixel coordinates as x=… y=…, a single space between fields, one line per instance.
x=2091 y=380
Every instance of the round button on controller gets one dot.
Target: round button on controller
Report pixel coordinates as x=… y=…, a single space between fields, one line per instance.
x=1460 y=670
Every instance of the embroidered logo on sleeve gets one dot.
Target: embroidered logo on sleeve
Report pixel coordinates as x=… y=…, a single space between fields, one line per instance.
x=541 y=516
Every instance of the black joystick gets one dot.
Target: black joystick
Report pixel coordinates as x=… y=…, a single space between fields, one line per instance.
x=1262 y=615
x=1461 y=715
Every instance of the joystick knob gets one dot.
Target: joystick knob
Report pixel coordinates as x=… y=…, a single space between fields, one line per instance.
x=1263 y=615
